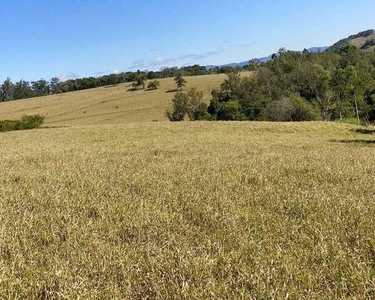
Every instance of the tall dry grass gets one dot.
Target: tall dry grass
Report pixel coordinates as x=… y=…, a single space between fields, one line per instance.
x=188 y=211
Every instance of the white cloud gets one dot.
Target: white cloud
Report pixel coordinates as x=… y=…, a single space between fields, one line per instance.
x=141 y=63
x=66 y=76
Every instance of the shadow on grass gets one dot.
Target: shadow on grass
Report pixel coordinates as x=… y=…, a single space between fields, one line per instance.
x=132 y=90
x=365 y=131
x=360 y=142
x=173 y=91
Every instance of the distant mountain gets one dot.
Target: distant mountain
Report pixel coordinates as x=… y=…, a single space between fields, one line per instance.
x=262 y=59
x=364 y=40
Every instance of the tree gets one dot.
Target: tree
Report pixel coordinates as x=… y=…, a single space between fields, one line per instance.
x=41 y=87
x=230 y=111
x=180 y=81
x=23 y=90
x=55 y=85
x=7 y=90
x=194 y=103
x=180 y=105
x=346 y=86
x=282 y=51
x=254 y=64
x=140 y=81
x=153 y=85
x=188 y=105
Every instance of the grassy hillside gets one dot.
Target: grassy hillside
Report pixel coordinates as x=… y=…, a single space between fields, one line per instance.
x=187 y=211
x=364 y=40
x=107 y=105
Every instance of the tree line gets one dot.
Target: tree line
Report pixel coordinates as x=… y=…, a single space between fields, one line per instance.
x=292 y=86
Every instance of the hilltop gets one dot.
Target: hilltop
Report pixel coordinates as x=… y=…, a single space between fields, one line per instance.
x=364 y=40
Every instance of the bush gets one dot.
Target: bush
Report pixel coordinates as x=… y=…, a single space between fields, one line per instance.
x=189 y=106
x=289 y=109
x=153 y=85
x=201 y=113
x=31 y=122
x=26 y=122
x=230 y=111
x=8 y=125
x=180 y=104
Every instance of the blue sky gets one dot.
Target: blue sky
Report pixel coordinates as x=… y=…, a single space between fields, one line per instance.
x=43 y=39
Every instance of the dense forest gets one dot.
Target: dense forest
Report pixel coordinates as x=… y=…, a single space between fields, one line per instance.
x=293 y=86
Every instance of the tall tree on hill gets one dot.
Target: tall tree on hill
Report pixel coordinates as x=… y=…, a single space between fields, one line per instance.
x=7 y=90
x=346 y=88
x=180 y=81
x=23 y=90
x=55 y=85
x=41 y=87
x=140 y=81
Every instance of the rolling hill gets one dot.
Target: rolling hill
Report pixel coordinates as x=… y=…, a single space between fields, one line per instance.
x=364 y=40
x=263 y=59
x=107 y=105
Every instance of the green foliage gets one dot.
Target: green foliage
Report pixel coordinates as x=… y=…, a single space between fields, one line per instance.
x=55 y=87
x=188 y=105
x=140 y=82
x=289 y=109
x=180 y=81
x=352 y=121
x=7 y=90
x=201 y=113
x=153 y=85
x=297 y=86
x=230 y=111
x=26 y=122
x=180 y=106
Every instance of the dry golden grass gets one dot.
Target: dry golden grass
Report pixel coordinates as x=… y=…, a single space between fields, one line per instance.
x=188 y=211
x=359 y=42
x=107 y=105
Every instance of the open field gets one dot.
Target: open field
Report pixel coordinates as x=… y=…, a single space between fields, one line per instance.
x=108 y=105
x=188 y=211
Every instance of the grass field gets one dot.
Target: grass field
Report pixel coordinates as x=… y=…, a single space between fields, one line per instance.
x=187 y=211
x=108 y=105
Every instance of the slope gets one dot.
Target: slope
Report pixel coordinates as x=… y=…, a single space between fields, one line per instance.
x=107 y=105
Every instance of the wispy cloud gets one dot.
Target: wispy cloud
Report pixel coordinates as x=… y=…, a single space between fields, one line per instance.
x=107 y=72
x=159 y=61
x=100 y=73
x=67 y=76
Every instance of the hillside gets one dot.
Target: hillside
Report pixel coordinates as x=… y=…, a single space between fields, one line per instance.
x=262 y=59
x=107 y=105
x=364 y=40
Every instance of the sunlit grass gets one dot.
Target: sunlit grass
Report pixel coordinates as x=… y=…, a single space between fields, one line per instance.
x=188 y=211
x=108 y=105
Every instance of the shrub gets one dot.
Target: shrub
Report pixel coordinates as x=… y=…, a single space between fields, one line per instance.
x=289 y=109
x=153 y=85
x=31 y=122
x=201 y=113
x=230 y=111
x=8 y=125
x=26 y=122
